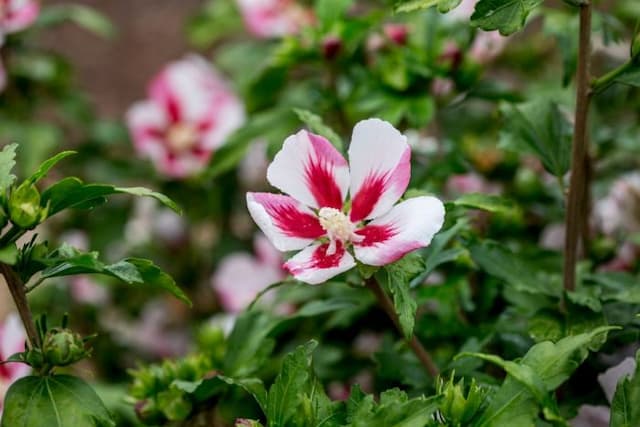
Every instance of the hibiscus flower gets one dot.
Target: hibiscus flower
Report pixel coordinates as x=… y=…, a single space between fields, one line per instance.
x=242 y=276
x=274 y=18
x=329 y=228
x=16 y=15
x=189 y=114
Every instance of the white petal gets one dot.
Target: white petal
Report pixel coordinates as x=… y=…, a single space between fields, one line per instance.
x=380 y=162
x=408 y=226
x=312 y=265
x=311 y=170
x=288 y=224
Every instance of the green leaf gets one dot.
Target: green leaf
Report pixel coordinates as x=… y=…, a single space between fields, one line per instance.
x=9 y=254
x=630 y=77
x=499 y=261
x=46 y=166
x=625 y=410
x=514 y=404
x=249 y=344
x=396 y=278
x=394 y=410
x=83 y=16
x=145 y=192
x=316 y=125
x=7 y=162
x=73 y=193
x=286 y=393
x=54 y=401
x=411 y=5
x=68 y=261
x=506 y=16
x=539 y=128
x=489 y=203
x=522 y=373
x=152 y=275
x=436 y=254
x=330 y=11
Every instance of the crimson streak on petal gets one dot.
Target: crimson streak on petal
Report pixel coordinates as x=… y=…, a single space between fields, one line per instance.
x=319 y=260
x=369 y=194
x=288 y=218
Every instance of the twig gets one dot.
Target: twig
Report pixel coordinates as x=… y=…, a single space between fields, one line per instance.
x=576 y=202
x=20 y=299
x=387 y=305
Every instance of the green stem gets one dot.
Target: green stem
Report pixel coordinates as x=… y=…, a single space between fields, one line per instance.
x=20 y=299
x=387 y=305
x=601 y=83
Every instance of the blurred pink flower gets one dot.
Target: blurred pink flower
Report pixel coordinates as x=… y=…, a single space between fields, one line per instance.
x=153 y=333
x=470 y=183
x=274 y=18
x=487 y=46
x=16 y=15
x=463 y=12
x=397 y=33
x=591 y=416
x=619 y=211
x=314 y=218
x=241 y=276
x=598 y=416
x=87 y=291
x=253 y=168
x=189 y=114
x=12 y=340
x=442 y=86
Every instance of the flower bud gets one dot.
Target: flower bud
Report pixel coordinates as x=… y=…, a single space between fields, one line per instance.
x=24 y=206
x=331 y=47
x=63 y=347
x=457 y=408
x=397 y=33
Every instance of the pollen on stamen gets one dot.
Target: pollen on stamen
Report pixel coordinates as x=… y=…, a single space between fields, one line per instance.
x=338 y=227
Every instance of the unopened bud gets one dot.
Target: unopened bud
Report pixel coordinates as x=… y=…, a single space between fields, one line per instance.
x=24 y=206
x=331 y=47
x=397 y=33
x=63 y=347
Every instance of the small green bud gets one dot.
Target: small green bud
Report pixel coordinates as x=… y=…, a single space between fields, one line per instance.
x=457 y=408
x=24 y=206
x=63 y=347
x=174 y=405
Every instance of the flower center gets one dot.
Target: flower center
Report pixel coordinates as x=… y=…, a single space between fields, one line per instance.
x=338 y=227
x=181 y=137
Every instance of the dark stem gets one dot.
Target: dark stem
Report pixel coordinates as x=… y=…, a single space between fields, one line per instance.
x=576 y=202
x=387 y=305
x=20 y=299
